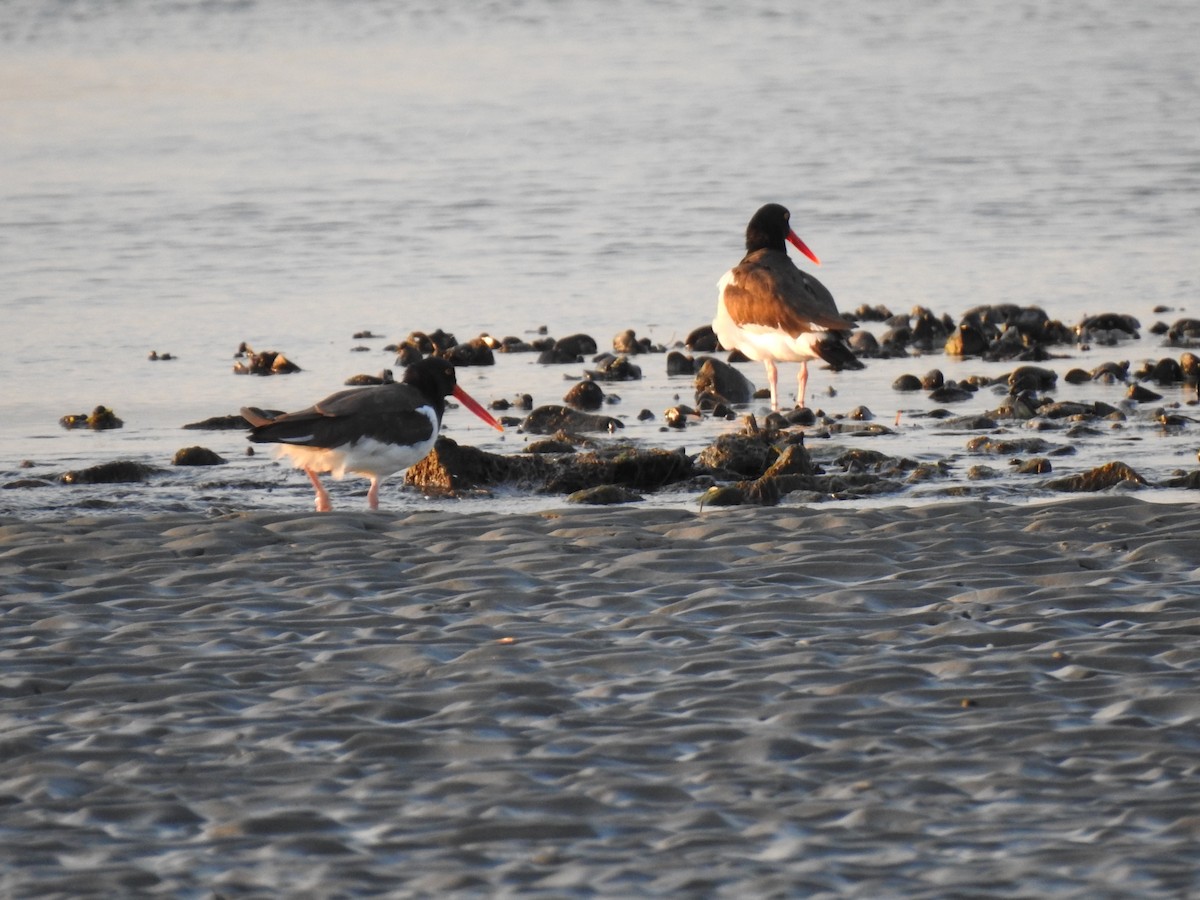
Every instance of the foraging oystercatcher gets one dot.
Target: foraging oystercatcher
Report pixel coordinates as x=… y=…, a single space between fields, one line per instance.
x=372 y=431
x=770 y=310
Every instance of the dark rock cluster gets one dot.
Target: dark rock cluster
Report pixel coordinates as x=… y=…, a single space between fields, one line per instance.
x=99 y=419
x=267 y=362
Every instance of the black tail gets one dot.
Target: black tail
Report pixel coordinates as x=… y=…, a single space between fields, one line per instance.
x=834 y=349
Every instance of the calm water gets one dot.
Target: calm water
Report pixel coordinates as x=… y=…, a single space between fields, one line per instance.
x=188 y=176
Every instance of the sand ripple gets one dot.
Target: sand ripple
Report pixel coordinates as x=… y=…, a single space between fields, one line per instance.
x=969 y=699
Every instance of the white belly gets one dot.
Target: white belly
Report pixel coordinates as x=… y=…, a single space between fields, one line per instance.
x=763 y=342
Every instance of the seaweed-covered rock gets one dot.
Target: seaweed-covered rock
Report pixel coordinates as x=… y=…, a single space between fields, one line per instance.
x=1098 y=479
x=196 y=456
x=118 y=472
x=99 y=419
x=586 y=395
x=680 y=364
x=634 y=467
x=1107 y=328
x=549 y=419
x=605 y=495
x=792 y=460
x=384 y=377
x=719 y=378
x=1001 y=447
x=451 y=466
x=1031 y=378
x=475 y=352
x=702 y=340
x=744 y=454
x=1184 y=333
x=267 y=362
x=615 y=368
x=1190 y=481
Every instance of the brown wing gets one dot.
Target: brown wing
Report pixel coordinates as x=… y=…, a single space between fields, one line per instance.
x=767 y=289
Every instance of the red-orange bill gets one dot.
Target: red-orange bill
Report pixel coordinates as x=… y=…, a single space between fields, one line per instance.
x=802 y=247
x=470 y=403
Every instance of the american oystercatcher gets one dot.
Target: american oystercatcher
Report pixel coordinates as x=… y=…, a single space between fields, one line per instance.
x=372 y=431
x=770 y=310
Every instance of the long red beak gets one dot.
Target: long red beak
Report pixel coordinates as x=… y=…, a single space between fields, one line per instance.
x=802 y=247
x=470 y=403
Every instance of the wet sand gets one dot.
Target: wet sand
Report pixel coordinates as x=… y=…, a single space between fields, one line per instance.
x=956 y=699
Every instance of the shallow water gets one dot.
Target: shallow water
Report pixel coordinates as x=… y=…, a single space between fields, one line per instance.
x=182 y=178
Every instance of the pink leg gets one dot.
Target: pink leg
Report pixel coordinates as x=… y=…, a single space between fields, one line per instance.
x=772 y=381
x=373 y=494
x=802 y=384
x=323 y=504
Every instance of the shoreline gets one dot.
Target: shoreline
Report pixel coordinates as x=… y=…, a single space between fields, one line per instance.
x=639 y=700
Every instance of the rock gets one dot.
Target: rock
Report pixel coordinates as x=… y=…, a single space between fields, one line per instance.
x=437 y=342
x=865 y=345
x=1031 y=378
x=1107 y=328
x=196 y=456
x=615 y=368
x=633 y=467
x=549 y=419
x=722 y=495
x=1067 y=409
x=1190 y=481
x=723 y=380
x=384 y=377
x=549 y=445
x=1166 y=372
x=1111 y=372
x=475 y=352
x=268 y=362
x=1077 y=376
x=452 y=467
x=801 y=417
x=877 y=313
x=680 y=364
x=986 y=444
x=406 y=354
x=100 y=419
x=1189 y=366
x=627 y=342
x=966 y=341
x=677 y=416
x=792 y=460
x=1036 y=466
x=1140 y=394
x=907 y=383
x=119 y=472
x=1098 y=479
x=933 y=379
x=1184 y=333
x=703 y=340
x=951 y=392
x=576 y=345
x=25 y=483
x=743 y=454
x=605 y=495
x=586 y=395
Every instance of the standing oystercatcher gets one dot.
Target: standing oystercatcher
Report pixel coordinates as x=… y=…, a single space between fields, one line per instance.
x=770 y=310
x=372 y=431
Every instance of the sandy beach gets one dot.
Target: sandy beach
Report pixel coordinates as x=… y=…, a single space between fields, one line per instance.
x=954 y=699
